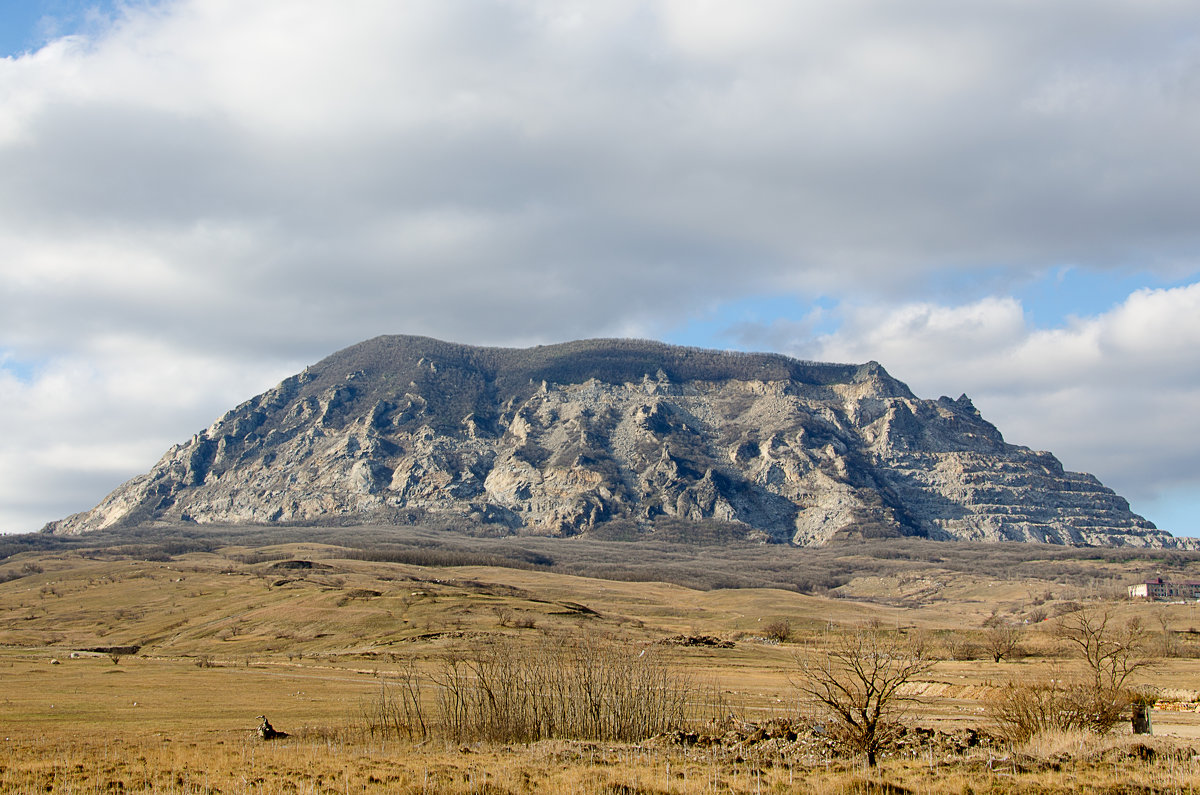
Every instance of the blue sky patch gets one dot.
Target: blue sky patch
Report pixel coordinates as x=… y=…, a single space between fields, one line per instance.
x=1080 y=292
x=23 y=370
x=720 y=327
x=28 y=25
x=1174 y=511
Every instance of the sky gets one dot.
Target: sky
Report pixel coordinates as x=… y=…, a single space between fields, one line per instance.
x=200 y=197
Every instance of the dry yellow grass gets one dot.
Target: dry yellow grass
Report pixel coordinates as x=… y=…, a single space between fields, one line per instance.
x=239 y=763
x=309 y=648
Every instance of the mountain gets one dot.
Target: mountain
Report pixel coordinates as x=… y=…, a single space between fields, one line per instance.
x=617 y=439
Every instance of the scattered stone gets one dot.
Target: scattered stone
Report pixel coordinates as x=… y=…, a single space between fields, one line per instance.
x=812 y=742
x=697 y=640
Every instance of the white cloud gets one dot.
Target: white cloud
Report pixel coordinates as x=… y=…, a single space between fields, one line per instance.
x=264 y=183
x=77 y=426
x=812 y=145
x=1114 y=394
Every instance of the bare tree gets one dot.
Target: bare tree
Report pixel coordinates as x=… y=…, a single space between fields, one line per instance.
x=857 y=677
x=1096 y=701
x=1112 y=650
x=1000 y=638
x=1168 y=643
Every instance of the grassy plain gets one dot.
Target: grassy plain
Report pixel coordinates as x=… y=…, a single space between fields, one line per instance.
x=307 y=632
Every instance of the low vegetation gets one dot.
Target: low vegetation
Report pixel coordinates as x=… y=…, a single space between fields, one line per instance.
x=1094 y=700
x=858 y=677
x=715 y=562
x=568 y=687
x=391 y=675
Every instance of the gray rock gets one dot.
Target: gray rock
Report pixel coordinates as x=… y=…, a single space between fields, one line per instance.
x=565 y=439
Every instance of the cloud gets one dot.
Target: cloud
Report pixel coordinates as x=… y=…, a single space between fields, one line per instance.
x=424 y=148
x=1113 y=393
x=266 y=183
x=76 y=427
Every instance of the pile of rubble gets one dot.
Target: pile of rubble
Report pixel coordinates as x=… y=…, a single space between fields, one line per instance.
x=697 y=640
x=816 y=742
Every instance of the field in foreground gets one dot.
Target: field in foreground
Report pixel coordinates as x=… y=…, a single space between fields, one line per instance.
x=203 y=763
x=311 y=635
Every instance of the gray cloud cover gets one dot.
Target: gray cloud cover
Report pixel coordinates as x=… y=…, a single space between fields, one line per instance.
x=210 y=194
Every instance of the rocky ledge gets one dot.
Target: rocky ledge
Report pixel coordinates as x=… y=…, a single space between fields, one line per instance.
x=618 y=439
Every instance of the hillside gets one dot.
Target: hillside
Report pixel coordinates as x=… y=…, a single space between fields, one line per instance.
x=280 y=592
x=137 y=660
x=617 y=439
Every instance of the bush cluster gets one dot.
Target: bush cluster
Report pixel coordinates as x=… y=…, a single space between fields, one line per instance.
x=567 y=688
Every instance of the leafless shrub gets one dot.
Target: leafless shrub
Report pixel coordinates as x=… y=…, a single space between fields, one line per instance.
x=525 y=621
x=779 y=630
x=857 y=678
x=1065 y=608
x=1095 y=701
x=959 y=646
x=1025 y=709
x=569 y=688
x=398 y=708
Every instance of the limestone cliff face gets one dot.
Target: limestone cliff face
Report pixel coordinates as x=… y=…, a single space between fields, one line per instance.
x=606 y=436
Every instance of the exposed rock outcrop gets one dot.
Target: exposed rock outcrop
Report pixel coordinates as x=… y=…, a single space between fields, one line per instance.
x=605 y=435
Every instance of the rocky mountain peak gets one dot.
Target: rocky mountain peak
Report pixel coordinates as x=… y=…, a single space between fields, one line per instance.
x=617 y=438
